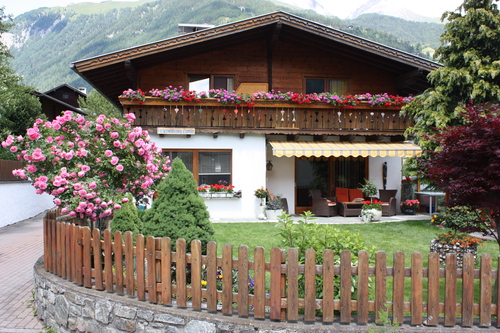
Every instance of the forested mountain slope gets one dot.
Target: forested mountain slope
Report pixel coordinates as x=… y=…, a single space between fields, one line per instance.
x=44 y=42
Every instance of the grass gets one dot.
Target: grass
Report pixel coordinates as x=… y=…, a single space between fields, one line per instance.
x=407 y=237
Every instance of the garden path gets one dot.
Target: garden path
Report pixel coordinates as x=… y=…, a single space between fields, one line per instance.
x=21 y=244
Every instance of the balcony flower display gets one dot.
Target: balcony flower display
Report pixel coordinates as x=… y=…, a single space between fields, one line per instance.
x=216 y=191
x=173 y=94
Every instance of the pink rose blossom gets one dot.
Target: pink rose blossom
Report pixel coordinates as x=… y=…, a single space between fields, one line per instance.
x=119 y=167
x=114 y=160
x=114 y=135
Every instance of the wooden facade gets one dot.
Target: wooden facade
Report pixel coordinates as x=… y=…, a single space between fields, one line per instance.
x=278 y=49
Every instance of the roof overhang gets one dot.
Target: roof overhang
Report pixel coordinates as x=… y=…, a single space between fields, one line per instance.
x=337 y=149
x=111 y=73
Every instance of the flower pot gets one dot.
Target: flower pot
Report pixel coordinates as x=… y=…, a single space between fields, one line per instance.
x=369 y=215
x=408 y=211
x=272 y=215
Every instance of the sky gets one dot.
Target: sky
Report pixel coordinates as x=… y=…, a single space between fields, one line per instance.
x=431 y=8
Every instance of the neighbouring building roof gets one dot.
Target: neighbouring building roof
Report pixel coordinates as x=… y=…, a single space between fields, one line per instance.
x=112 y=73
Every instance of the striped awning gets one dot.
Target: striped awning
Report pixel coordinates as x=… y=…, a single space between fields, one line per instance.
x=364 y=149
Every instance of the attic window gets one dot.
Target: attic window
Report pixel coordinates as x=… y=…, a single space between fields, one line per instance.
x=319 y=85
x=207 y=82
x=65 y=96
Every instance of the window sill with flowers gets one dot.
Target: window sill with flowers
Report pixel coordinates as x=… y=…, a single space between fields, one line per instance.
x=218 y=191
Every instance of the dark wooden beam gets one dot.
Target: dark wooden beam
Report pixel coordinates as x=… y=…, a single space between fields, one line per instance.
x=131 y=73
x=274 y=37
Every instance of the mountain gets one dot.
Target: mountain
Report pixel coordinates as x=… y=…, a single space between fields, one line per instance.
x=45 y=41
x=342 y=10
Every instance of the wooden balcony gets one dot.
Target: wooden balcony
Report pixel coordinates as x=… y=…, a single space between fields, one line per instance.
x=269 y=117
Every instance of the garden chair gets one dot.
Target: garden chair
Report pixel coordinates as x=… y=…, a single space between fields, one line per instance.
x=322 y=206
x=388 y=198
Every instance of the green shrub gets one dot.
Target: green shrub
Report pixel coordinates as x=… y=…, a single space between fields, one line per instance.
x=126 y=219
x=179 y=211
x=306 y=234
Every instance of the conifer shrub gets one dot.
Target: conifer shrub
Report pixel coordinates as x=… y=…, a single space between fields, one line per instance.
x=126 y=218
x=179 y=211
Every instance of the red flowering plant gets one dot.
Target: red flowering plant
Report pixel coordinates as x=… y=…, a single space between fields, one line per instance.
x=462 y=220
x=135 y=95
x=410 y=204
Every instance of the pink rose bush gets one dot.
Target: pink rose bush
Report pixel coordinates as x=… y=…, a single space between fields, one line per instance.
x=89 y=166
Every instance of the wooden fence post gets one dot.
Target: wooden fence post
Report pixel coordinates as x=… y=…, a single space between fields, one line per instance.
x=166 y=271
x=243 y=281
x=310 y=286
x=485 y=285
x=196 y=274
x=275 y=292
x=212 y=277
x=118 y=248
x=328 y=286
x=227 y=279
x=416 y=288
x=450 y=298
x=345 y=287
x=260 y=283
x=180 y=272
x=380 y=284
x=151 y=260
x=293 y=285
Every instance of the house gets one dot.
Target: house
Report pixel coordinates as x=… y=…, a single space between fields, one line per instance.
x=288 y=146
x=61 y=98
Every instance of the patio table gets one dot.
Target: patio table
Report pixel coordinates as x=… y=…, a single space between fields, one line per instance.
x=432 y=195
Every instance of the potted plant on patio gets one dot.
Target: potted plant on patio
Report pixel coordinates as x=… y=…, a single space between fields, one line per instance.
x=409 y=207
x=461 y=221
x=372 y=209
x=274 y=207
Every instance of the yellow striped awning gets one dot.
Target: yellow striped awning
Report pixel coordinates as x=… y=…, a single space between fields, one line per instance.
x=364 y=149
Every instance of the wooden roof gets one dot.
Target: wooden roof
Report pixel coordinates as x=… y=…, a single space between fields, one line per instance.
x=112 y=73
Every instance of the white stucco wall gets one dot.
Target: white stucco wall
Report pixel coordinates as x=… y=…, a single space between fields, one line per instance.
x=394 y=167
x=248 y=168
x=18 y=201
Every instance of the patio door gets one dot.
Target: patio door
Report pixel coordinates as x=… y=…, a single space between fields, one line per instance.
x=326 y=173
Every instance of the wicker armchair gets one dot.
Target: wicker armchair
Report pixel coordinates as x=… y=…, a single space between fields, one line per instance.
x=388 y=202
x=322 y=206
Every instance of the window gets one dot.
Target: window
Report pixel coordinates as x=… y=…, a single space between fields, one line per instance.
x=319 y=85
x=208 y=166
x=65 y=96
x=207 y=82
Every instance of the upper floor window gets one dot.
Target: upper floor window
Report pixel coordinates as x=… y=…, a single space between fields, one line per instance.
x=208 y=166
x=65 y=96
x=207 y=82
x=333 y=86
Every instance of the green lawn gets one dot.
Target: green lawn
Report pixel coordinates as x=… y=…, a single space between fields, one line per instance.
x=408 y=237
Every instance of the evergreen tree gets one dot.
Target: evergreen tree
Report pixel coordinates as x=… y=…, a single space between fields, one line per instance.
x=126 y=218
x=179 y=211
x=470 y=53
x=18 y=107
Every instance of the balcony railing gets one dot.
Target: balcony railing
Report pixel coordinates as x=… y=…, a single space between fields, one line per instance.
x=268 y=116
